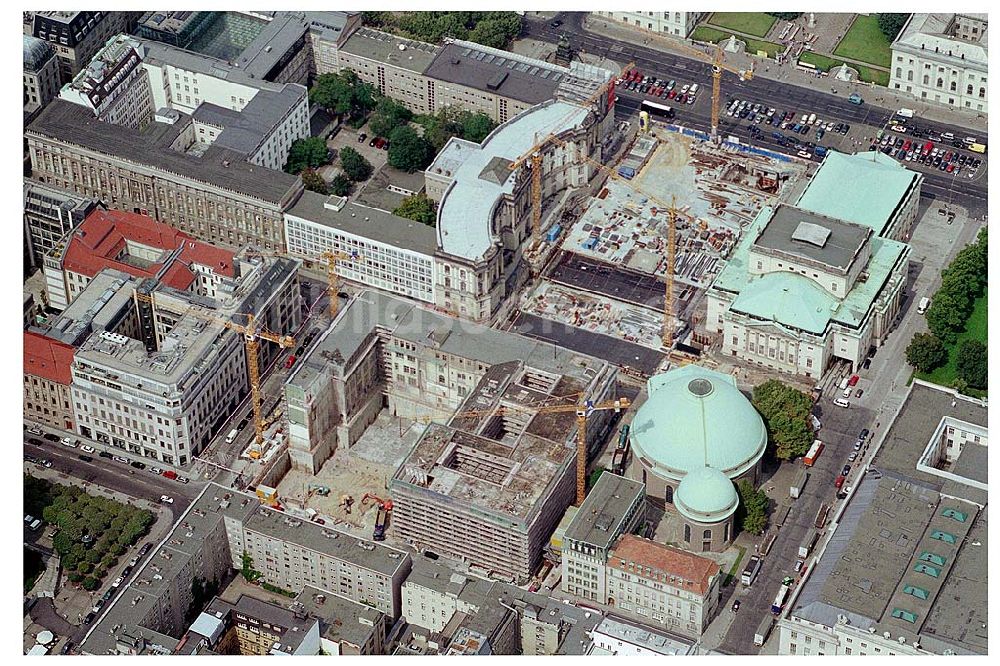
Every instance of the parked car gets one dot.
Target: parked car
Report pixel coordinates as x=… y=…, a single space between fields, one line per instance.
x=166 y=499
x=853 y=455
x=362 y=137
x=34 y=442
x=182 y=479
x=798 y=565
x=736 y=606
x=105 y=454
x=155 y=470
x=87 y=448
x=121 y=459
x=86 y=459
x=846 y=470
x=138 y=465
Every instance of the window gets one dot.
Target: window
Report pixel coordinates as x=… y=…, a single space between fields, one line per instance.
x=707 y=534
x=687 y=534
x=670 y=495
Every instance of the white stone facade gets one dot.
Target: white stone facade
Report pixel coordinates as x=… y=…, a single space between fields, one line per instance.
x=678 y=24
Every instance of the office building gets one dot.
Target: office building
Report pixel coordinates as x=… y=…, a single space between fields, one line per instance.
x=942 y=58
x=251 y=626
x=166 y=391
x=615 y=636
x=50 y=214
x=905 y=571
x=668 y=587
x=804 y=288
x=114 y=85
x=677 y=24
x=696 y=436
x=77 y=36
x=346 y=627
x=615 y=506
x=47 y=381
x=164 y=172
x=136 y=245
x=40 y=75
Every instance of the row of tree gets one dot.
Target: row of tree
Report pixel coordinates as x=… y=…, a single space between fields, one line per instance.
x=962 y=282
x=495 y=29
x=891 y=24
x=785 y=411
x=93 y=532
x=785 y=16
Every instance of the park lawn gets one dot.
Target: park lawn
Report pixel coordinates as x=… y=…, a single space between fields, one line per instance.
x=704 y=33
x=975 y=329
x=866 y=42
x=750 y=23
x=826 y=63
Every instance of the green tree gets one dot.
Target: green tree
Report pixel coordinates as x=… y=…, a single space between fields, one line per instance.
x=408 y=151
x=419 y=208
x=751 y=516
x=496 y=30
x=891 y=24
x=314 y=182
x=307 y=153
x=355 y=165
x=926 y=352
x=90 y=583
x=785 y=411
x=971 y=363
x=785 y=16
x=343 y=93
x=250 y=574
x=947 y=315
x=341 y=185
x=389 y=114
x=476 y=126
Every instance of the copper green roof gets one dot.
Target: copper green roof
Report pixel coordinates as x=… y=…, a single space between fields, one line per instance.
x=695 y=417
x=864 y=188
x=787 y=298
x=706 y=495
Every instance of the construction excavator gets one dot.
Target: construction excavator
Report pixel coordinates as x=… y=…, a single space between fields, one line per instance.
x=382 y=517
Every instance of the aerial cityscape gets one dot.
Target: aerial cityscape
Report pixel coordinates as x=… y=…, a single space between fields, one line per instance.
x=505 y=333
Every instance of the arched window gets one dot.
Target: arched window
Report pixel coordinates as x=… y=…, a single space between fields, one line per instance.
x=670 y=495
x=687 y=534
x=940 y=82
x=707 y=534
x=968 y=90
x=982 y=93
x=927 y=79
x=954 y=86
x=909 y=75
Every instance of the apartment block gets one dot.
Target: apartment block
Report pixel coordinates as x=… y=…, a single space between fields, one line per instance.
x=136 y=245
x=250 y=626
x=616 y=636
x=77 y=36
x=40 y=75
x=114 y=85
x=49 y=214
x=614 y=506
x=47 y=381
x=662 y=585
x=162 y=171
x=346 y=627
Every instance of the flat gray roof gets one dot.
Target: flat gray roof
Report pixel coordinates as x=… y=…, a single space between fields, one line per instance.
x=271 y=45
x=340 y=619
x=384 y=47
x=911 y=431
x=244 y=131
x=823 y=239
x=366 y=222
x=600 y=516
x=218 y=167
x=512 y=76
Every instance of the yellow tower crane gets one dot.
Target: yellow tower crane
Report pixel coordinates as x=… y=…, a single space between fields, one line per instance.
x=668 y=294
x=534 y=154
x=333 y=280
x=252 y=334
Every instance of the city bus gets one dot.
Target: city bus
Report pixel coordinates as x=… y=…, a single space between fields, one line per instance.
x=813 y=454
x=750 y=571
x=657 y=110
x=779 y=601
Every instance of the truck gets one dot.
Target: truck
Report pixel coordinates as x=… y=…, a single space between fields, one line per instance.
x=628 y=173
x=779 y=600
x=380 y=521
x=750 y=571
x=231 y=437
x=813 y=453
x=821 y=515
x=905 y=113
x=795 y=490
x=806 y=546
x=763 y=631
x=782 y=515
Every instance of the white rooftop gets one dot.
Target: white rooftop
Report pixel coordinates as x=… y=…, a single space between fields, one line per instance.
x=466 y=210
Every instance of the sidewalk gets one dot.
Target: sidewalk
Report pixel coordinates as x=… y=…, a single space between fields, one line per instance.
x=787 y=73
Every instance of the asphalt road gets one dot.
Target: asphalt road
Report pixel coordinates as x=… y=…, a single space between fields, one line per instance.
x=778 y=94
x=115 y=475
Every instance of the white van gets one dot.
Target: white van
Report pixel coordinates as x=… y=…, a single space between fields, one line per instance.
x=847 y=392
x=35 y=525
x=231 y=437
x=694 y=91
x=923 y=305
x=840 y=402
x=844 y=382
x=905 y=113
x=812 y=118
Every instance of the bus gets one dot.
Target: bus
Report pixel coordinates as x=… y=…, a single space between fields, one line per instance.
x=813 y=454
x=750 y=571
x=657 y=110
x=779 y=600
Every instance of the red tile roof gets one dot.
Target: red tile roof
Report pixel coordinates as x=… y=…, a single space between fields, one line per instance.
x=47 y=358
x=101 y=238
x=694 y=571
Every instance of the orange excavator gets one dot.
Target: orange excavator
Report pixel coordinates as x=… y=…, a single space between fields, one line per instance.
x=382 y=517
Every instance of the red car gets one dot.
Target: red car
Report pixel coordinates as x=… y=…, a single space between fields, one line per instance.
x=950 y=168
x=853 y=381
x=170 y=474
x=290 y=362
x=839 y=482
x=672 y=94
x=906 y=145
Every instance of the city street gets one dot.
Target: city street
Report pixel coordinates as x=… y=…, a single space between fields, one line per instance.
x=784 y=95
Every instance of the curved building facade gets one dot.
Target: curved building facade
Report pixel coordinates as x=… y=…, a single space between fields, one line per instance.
x=692 y=440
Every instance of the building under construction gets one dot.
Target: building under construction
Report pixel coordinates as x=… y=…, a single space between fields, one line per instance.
x=499 y=463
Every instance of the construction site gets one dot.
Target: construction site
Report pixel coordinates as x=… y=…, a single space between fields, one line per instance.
x=611 y=273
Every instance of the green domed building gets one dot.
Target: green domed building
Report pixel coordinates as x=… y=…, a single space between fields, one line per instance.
x=693 y=438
